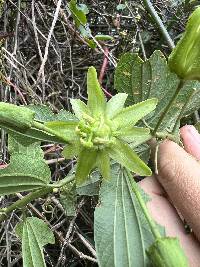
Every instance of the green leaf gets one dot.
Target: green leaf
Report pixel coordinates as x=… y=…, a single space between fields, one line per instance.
x=34 y=234
x=44 y=114
x=121 y=231
x=152 y=78
x=79 y=108
x=86 y=162
x=96 y=99
x=91 y=186
x=65 y=128
x=134 y=135
x=128 y=77
x=68 y=198
x=131 y=115
x=27 y=169
x=121 y=7
x=103 y=163
x=115 y=104
x=122 y=153
x=78 y=13
x=103 y=37
x=71 y=150
x=18 y=118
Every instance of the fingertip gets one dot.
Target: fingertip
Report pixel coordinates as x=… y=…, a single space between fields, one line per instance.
x=191 y=140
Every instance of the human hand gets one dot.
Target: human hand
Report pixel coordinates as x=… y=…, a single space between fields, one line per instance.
x=179 y=181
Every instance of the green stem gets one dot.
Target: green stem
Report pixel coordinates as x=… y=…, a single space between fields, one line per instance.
x=23 y=202
x=63 y=182
x=159 y=23
x=143 y=206
x=183 y=110
x=179 y=87
x=42 y=127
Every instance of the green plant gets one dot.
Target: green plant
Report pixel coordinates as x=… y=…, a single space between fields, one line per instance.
x=156 y=99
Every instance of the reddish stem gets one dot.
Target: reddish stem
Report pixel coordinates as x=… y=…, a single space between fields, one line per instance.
x=103 y=70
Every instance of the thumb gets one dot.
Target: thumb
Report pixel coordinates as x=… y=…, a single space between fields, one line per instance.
x=179 y=174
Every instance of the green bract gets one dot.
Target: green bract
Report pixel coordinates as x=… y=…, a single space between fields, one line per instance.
x=167 y=252
x=185 y=58
x=104 y=131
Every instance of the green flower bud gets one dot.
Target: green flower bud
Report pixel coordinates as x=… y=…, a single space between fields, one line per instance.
x=167 y=252
x=16 y=117
x=185 y=58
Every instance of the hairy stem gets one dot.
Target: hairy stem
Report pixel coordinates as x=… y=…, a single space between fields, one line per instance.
x=143 y=206
x=23 y=202
x=159 y=23
x=32 y=196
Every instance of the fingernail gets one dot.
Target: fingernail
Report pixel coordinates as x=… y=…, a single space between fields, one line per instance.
x=191 y=140
x=189 y=131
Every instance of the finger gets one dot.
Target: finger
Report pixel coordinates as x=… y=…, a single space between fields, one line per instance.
x=165 y=214
x=191 y=140
x=179 y=174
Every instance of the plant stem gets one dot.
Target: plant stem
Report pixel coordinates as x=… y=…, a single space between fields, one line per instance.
x=159 y=23
x=143 y=206
x=179 y=87
x=42 y=127
x=63 y=182
x=32 y=196
x=23 y=202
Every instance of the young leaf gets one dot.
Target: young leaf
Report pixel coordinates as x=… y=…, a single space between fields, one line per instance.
x=123 y=154
x=134 y=135
x=96 y=99
x=131 y=115
x=34 y=234
x=121 y=231
x=79 y=108
x=115 y=104
x=65 y=128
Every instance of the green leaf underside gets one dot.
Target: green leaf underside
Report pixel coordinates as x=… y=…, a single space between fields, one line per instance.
x=86 y=162
x=79 y=108
x=123 y=154
x=121 y=231
x=34 y=234
x=96 y=99
x=134 y=135
x=143 y=80
x=131 y=115
x=27 y=169
x=115 y=105
x=65 y=128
